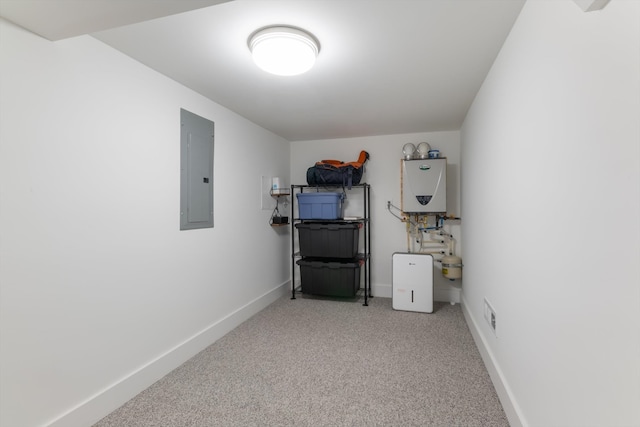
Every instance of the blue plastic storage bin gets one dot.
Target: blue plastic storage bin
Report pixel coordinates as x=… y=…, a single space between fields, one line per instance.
x=319 y=205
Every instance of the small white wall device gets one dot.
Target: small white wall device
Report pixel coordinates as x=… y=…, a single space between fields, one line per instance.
x=424 y=186
x=412 y=282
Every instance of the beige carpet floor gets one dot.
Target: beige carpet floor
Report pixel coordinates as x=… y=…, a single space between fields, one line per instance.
x=322 y=362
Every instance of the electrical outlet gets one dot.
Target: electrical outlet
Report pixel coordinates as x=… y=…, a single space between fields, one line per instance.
x=490 y=315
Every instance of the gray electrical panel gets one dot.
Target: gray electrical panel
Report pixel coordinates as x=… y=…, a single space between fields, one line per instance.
x=424 y=186
x=196 y=171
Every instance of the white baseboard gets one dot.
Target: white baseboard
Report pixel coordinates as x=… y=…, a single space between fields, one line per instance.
x=508 y=401
x=382 y=291
x=447 y=293
x=103 y=403
x=444 y=293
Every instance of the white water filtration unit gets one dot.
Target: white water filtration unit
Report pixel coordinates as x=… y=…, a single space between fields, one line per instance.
x=424 y=186
x=412 y=282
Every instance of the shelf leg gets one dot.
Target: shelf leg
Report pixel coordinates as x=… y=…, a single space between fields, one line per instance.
x=293 y=256
x=365 y=289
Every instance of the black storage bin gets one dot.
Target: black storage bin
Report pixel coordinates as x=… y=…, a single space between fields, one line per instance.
x=338 y=278
x=329 y=239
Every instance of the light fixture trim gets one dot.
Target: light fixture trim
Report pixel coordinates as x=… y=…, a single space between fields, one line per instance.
x=296 y=57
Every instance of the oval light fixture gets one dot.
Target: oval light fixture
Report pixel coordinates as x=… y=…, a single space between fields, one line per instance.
x=283 y=50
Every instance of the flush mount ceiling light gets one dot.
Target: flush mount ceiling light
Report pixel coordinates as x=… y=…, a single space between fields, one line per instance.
x=283 y=50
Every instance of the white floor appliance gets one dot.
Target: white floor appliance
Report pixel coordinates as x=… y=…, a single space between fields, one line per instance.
x=412 y=282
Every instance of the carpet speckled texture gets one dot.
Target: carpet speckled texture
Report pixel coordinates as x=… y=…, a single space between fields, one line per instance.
x=321 y=362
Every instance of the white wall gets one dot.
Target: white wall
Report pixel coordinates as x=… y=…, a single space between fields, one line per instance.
x=101 y=294
x=551 y=208
x=388 y=234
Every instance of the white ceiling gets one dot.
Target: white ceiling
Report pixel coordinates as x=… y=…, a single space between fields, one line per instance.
x=61 y=19
x=385 y=66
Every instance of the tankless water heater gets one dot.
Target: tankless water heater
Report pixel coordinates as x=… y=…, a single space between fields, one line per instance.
x=424 y=186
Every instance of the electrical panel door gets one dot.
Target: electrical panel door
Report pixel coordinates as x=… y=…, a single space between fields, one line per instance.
x=196 y=171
